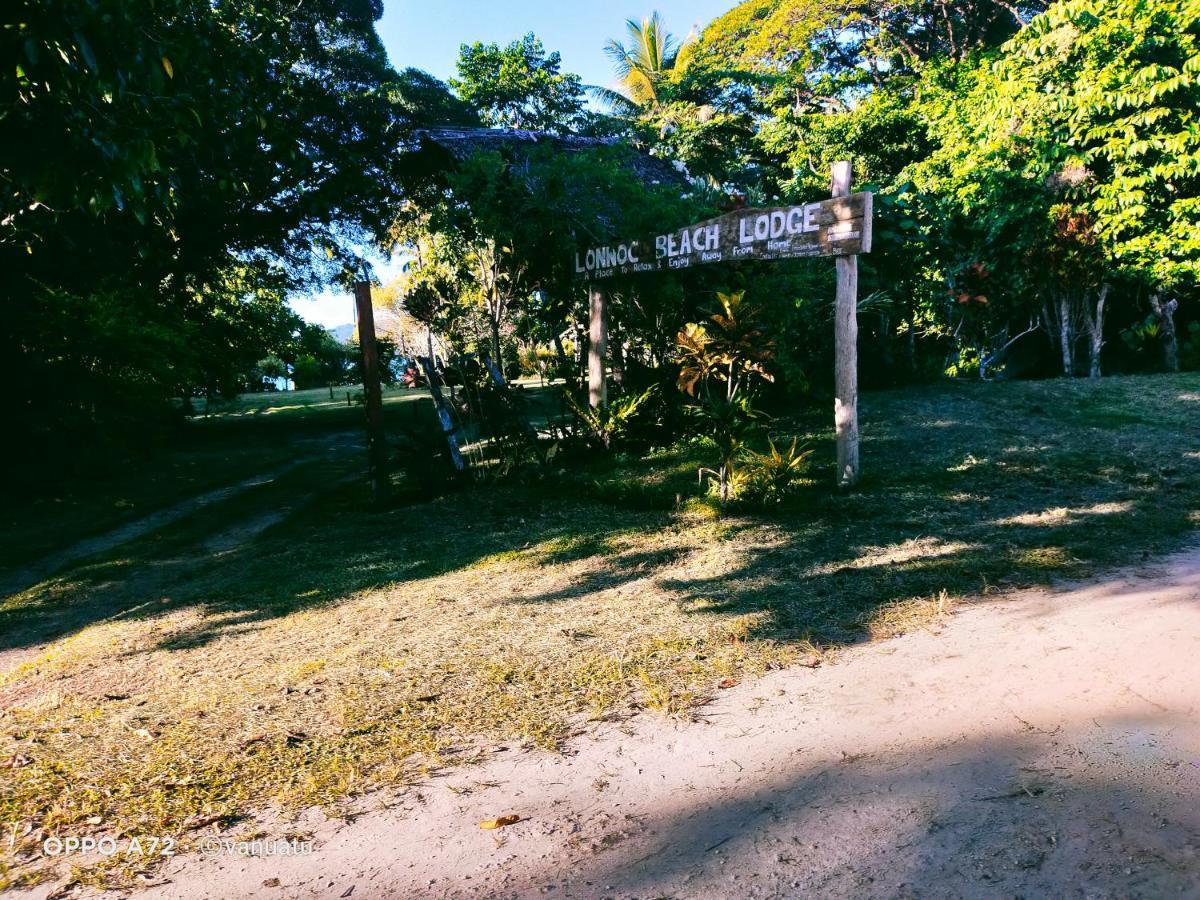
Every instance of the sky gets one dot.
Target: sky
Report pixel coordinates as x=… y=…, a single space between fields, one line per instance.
x=426 y=34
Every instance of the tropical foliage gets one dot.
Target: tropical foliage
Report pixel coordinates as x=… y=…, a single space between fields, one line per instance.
x=175 y=171
x=722 y=363
x=172 y=171
x=651 y=57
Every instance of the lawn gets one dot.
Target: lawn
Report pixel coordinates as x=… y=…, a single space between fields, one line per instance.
x=195 y=682
x=253 y=434
x=319 y=401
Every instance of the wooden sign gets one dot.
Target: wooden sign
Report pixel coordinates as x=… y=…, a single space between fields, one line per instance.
x=837 y=227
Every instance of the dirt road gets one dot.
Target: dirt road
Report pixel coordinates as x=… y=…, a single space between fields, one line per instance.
x=1043 y=744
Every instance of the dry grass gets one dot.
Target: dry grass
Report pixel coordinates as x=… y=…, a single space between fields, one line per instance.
x=149 y=724
x=905 y=616
x=341 y=652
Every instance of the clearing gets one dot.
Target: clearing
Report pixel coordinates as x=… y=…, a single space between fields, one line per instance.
x=282 y=650
x=1064 y=760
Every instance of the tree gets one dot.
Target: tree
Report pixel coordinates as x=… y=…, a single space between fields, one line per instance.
x=652 y=56
x=519 y=86
x=320 y=359
x=1075 y=153
x=193 y=162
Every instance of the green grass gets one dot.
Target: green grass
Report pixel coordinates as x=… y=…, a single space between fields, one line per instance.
x=33 y=528
x=292 y=404
x=344 y=649
x=253 y=434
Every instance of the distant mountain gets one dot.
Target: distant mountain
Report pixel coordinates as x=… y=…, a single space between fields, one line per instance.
x=343 y=333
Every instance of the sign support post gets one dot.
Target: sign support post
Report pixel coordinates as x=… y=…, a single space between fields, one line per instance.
x=839 y=227
x=376 y=448
x=597 y=345
x=845 y=338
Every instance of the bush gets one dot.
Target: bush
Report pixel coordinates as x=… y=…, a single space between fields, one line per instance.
x=609 y=426
x=772 y=477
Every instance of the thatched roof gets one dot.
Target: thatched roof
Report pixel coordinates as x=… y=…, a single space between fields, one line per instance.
x=461 y=143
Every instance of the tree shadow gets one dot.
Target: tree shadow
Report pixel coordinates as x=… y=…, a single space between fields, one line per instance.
x=999 y=816
x=962 y=500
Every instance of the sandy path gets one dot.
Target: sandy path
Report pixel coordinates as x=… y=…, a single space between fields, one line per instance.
x=32 y=574
x=1043 y=744
x=131 y=531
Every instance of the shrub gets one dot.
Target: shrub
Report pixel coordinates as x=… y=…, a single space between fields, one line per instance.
x=610 y=425
x=770 y=478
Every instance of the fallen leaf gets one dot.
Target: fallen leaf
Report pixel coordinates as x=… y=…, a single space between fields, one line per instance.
x=198 y=821
x=490 y=824
x=727 y=682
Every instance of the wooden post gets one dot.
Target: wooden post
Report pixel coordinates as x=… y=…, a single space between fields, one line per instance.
x=845 y=337
x=449 y=430
x=597 y=345
x=376 y=448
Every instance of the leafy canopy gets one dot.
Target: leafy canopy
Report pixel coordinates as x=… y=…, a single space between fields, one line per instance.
x=519 y=86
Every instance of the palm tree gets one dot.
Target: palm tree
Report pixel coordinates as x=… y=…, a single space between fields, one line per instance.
x=651 y=57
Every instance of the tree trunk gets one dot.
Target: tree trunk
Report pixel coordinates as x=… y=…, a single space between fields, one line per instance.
x=495 y=323
x=910 y=347
x=376 y=447
x=1066 y=339
x=617 y=352
x=1095 y=325
x=845 y=331
x=1166 y=320
x=449 y=429
x=561 y=352
x=597 y=345
x=887 y=356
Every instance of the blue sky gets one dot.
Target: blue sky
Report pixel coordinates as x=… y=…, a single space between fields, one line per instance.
x=427 y=35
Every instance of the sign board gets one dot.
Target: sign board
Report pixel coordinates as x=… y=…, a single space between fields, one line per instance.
x=836 y=227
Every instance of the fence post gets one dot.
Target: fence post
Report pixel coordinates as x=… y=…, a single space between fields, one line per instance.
x=376 y=448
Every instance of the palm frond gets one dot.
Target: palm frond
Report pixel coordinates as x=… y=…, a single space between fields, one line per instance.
x=646 y=60
x=615 y=101
x=621 y=57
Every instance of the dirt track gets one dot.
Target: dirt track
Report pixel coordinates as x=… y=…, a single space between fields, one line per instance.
x=1046 y=743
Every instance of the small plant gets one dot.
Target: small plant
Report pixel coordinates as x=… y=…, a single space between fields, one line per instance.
x=730 y=424
x=721 y=362
x=1138 y=337
x=774 y=476
x=609 y=425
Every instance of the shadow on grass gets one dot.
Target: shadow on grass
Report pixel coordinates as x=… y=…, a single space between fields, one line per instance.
x=966 y=490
